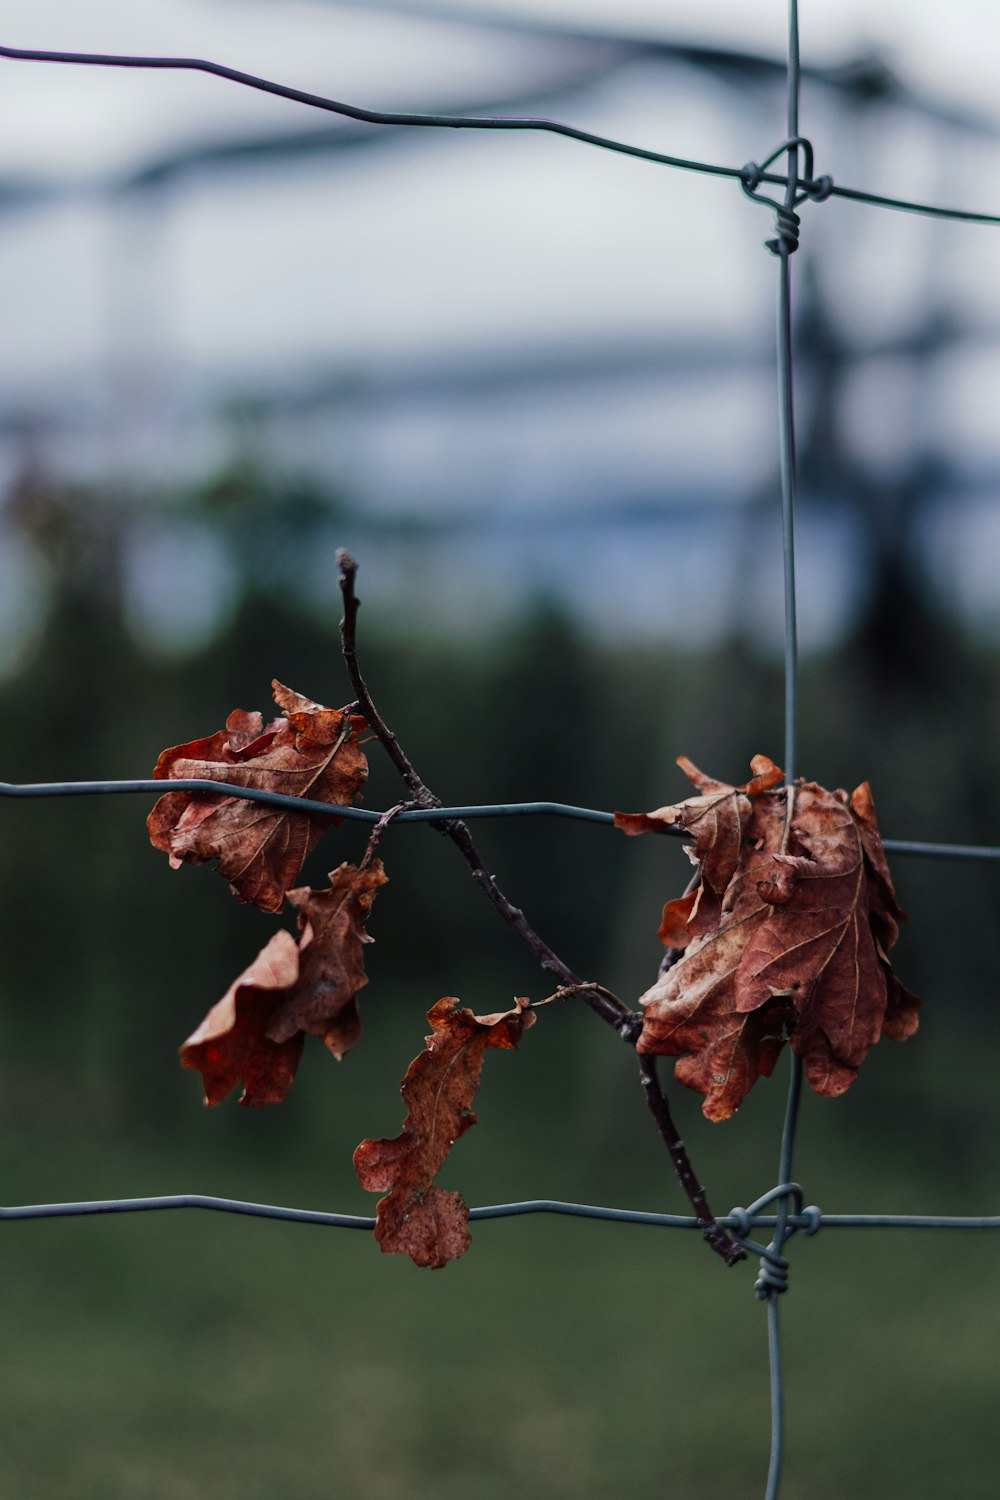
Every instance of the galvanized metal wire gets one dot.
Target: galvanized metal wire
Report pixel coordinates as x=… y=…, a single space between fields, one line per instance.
x=823 y=187
x=798 y=183
x=743 y=1221
x=930 y=849
x=773 y=1277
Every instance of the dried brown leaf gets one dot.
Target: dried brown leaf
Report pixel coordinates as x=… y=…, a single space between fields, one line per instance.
x=816 y=946
x=716 y=819
x=232 y=1045
x=254 y=1034
x=417 y=1218
x=311 y=752
x=675 y=928
x=324 y=1001
x=794 y=950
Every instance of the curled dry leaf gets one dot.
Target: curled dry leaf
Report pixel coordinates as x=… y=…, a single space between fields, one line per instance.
x=254 y=1034
x=417 y=1218
x=324 y=1000
x=232 y=1046
x=310 y=752
x=785 y=938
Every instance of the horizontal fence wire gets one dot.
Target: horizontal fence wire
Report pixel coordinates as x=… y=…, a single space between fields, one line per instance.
x=823 y=187
x=741 y=1220
x=160 y=787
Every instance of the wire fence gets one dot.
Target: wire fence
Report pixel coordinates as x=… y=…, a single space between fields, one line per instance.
x=780 y=1211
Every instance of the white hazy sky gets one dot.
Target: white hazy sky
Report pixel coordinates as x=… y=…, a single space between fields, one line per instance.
x=390 y=251
x=449 y=241
x=61 y=119
x=478 y=245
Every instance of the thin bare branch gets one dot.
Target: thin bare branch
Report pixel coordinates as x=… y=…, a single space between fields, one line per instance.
x=625 y=1022
x=713 y=1232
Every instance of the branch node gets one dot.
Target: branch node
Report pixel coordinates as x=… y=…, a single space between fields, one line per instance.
x=629 y=1028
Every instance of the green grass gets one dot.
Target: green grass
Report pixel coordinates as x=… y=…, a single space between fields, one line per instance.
x=194 y=1354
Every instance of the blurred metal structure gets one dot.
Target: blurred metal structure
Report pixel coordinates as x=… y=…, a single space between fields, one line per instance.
x=888 y=516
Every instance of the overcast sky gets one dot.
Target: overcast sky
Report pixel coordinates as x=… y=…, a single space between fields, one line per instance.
x=371 y=52
x=387 y=252
x=444 y=240
x=447 y=244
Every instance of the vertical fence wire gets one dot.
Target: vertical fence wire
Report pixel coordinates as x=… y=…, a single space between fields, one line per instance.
x=786 y=439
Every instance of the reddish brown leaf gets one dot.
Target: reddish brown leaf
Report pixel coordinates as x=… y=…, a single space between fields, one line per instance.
x=312 y=752
x=232 y=1045
x=254 y=1034
x=724 y=1053
x=795 y=950
x=901 y=1018
x=886 y=914
x=417 y=1218
x=324 y=1000
x=816 y=946
x=675 y=930
x=716 y=818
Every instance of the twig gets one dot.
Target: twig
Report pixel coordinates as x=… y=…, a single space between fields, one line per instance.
x=348 y=644
x=605 y=1004
x=712 y=1231
x=384 y=820
x=567 y=991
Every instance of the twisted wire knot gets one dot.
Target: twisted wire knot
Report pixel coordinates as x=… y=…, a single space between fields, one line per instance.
x=787 y=222
x=773 y=1277
x=813 y=1218
x=820 y=190
x=741 y=1223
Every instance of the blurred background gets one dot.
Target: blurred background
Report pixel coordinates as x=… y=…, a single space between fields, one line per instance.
x=530 y=385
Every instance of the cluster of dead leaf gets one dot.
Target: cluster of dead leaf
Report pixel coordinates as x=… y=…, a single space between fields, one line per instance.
x=310 y=984
x=782 y=937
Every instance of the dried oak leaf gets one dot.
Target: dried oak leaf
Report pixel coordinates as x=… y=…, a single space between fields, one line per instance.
x=232 y=1045
x=417 y=1218
x=717 y=819
x=310 y=752
x=254 y=1034
x=324 y=1000
x=785 y=938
